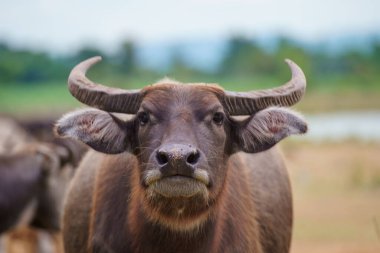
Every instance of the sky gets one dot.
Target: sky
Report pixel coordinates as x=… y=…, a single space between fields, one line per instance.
x=65 y=25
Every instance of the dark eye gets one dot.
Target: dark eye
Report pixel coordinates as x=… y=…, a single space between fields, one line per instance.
x=218 y=118
x=143 y=118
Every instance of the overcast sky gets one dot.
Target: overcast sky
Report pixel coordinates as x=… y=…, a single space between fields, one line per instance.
x=66 y=24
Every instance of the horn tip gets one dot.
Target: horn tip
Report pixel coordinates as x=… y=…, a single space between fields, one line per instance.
x=96 y=59
x=295 y=69
x=288 y=61
x=91 y=61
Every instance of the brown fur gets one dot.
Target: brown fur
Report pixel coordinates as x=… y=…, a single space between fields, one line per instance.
x=233 y=224
x=246 y=207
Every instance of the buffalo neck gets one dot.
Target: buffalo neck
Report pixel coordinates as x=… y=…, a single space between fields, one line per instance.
x=153 y=237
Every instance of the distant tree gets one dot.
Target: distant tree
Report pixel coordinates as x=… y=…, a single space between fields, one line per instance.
x=3 y=47
x=357 y=63
x=26 y=66
x=245 y=57
x=179 y=68
x=87 y=52
x=376 y=55
x=127 y=57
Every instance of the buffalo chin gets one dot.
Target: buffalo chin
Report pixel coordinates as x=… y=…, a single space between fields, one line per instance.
x=178 y=203
x=179 y=187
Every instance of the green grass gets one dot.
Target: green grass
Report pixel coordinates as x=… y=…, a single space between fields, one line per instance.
x=47 y=98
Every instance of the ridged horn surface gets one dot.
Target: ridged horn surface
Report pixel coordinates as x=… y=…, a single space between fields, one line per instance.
x=247 y=103
x=100 y=96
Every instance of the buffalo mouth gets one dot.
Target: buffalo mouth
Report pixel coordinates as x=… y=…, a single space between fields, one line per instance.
x=177 y=186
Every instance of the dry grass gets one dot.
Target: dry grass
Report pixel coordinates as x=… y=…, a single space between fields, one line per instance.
x=336 y=196
x=319 y=101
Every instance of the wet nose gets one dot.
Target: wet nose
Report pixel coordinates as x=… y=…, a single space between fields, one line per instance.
x=177 y=159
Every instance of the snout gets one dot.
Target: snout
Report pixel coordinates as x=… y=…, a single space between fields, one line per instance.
x=177 y=159
x=177 y=170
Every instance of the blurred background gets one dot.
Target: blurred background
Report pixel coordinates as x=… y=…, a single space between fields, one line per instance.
x=240 y=44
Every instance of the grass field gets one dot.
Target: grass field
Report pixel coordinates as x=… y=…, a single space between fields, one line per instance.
x=336 y=196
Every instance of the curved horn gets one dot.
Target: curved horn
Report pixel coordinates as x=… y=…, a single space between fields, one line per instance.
x=247 y=103
x=99 y=96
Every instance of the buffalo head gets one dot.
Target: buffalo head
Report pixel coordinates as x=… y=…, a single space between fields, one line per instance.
x=181 y=135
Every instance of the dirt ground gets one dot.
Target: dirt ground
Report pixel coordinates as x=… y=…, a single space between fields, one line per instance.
x=336 y=190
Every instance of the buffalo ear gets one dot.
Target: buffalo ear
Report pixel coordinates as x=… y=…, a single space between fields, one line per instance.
x=98 y=129
x=266 y=128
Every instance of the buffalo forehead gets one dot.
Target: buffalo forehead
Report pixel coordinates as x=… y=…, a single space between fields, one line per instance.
x=181 y=96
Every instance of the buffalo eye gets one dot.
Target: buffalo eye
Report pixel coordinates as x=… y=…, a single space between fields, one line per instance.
x=143 y=118
x=218 y=118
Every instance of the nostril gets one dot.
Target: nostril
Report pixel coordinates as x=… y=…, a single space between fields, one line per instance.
x=193 y=158
x=162 y=158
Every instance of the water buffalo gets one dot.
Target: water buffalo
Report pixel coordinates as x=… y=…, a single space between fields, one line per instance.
x=12 y=135
x=29 y=184
x=33 y=180
x=172 y=177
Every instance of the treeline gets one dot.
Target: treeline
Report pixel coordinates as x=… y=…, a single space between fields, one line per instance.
x=27 y=66
x=242 y=58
